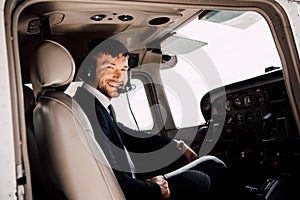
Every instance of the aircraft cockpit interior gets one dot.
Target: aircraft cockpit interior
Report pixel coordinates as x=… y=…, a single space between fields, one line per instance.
x=217 y=75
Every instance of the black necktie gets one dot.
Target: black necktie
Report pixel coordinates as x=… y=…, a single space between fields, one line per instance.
x=113 y=115
x=112 y=112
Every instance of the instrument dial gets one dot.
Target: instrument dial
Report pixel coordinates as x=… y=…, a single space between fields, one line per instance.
x=229 y=119
x=239 y=119
x=249 y=118
x=259 y=100
x=247 y=101
x=228 y=106
x=237 y=102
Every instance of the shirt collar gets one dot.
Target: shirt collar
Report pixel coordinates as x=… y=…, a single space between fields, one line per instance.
x=101 y=97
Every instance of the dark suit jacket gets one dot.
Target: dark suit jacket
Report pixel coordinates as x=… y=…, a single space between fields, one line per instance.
x=112 y=138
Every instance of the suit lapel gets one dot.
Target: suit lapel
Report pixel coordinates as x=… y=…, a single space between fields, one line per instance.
x=100 y=119
x=115 y=134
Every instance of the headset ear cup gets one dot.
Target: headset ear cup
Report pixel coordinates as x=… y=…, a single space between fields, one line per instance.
x=91 y=73
x=87 y=74
x=87 y=70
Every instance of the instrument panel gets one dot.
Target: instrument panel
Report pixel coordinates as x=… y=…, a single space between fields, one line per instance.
x=259 y=132
x=257 y=109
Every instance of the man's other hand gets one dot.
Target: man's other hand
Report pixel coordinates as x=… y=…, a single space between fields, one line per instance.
x=163 y=184
x=189 y=153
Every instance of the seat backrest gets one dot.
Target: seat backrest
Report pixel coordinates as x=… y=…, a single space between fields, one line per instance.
x=69 y=153
x=42 y=187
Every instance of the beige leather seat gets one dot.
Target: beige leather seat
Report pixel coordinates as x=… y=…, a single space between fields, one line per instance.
x=69 y=154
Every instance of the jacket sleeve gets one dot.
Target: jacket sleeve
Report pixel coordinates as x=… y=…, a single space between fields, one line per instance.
x=140 y=142
x=136 y=189
x=132 y=188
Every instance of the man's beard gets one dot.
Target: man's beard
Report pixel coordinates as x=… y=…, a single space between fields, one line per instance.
x=104 y=91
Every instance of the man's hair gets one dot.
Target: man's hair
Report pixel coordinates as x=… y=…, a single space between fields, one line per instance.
x=110 y=46
x=87 y=70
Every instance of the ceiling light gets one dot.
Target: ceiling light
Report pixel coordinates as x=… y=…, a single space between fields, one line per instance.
x=98 y=17
x=125 y=18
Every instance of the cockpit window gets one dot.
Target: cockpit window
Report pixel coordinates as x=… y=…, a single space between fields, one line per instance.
x=238 y=46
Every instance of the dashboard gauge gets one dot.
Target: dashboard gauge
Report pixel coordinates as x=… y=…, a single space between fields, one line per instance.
x=228 y=106
x=259 y=100
x=249 y=118
x=237 y=102
x=229 y=119
x=247 y=101
x=239 y=120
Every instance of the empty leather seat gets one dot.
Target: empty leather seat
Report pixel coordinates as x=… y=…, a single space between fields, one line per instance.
x=42 y=188
x=69 y=153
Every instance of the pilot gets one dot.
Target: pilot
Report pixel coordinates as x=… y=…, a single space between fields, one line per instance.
x=104 y=73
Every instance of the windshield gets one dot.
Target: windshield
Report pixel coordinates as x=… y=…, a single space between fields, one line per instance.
x=236 y=46
x=239 y=43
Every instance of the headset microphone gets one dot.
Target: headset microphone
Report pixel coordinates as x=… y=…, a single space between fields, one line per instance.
x=122 y=90
x=128 y=87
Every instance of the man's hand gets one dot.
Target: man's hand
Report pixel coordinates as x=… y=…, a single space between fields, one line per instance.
x=189 y=153
x=163 y=184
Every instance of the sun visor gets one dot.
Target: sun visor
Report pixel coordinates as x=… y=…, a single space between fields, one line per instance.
x=177 y=45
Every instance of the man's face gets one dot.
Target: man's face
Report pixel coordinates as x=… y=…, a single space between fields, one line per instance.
x=111 y=74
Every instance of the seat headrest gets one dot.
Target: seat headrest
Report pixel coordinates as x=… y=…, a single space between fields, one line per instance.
x=53 y=67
